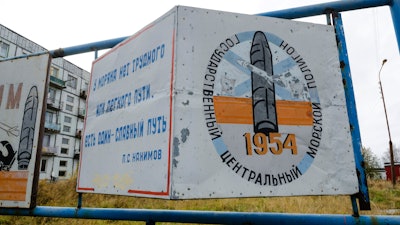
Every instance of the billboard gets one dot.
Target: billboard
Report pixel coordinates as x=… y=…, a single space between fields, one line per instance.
x=211 y=104
x=22 y=89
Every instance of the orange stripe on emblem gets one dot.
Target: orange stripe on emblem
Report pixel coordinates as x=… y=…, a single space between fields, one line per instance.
x=240 y=111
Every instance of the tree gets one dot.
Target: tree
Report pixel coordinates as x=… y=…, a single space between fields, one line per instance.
x=396 y=154
x=371 y=163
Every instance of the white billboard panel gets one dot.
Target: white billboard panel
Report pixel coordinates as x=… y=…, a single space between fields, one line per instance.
x=126 y=148
x=212 y=104
x=22 y=89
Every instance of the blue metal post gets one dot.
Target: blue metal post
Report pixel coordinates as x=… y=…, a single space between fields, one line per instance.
x=79 y=205
x=363 y=195
x=96 y=55
x=395 y=10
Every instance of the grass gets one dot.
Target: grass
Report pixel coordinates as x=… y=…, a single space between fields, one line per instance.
x=384 y=196
x=62 y=193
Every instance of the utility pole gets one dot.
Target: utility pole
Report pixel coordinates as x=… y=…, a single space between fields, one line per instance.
x=387 y=123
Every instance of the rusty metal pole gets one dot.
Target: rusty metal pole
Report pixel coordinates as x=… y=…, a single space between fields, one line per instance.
x=387 y=123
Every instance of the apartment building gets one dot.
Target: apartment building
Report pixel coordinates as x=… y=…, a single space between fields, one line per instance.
x=66 y=104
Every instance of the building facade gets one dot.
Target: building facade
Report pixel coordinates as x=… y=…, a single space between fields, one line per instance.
x=388 y=170
x=66 y=105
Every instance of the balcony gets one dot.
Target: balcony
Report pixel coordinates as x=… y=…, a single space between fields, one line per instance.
x=52 y=127
x=76 y=154
x=81 y=113
x=47 y=150
x=53 y=104
x=57 y=83
x=83 y=94
x=78 y=134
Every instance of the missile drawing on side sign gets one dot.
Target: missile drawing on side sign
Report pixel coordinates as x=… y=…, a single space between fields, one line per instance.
x=28 y=129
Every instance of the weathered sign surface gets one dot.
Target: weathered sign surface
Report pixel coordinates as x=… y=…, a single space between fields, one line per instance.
x=210 y=104
x=22 y=88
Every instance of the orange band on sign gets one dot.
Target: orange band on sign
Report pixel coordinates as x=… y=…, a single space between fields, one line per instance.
x=13 y=185
x=240 y=111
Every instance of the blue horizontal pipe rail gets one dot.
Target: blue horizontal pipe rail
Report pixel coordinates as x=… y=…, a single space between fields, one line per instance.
x=293 y=13
x=340 y=6
x=324 y=8
x=204 y=217
x=74 y=50
x=90 y=47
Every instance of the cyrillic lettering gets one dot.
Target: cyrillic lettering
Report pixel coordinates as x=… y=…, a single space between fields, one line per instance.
x=288 y=177
x=281 y=177
x=225 y=155
x=274 y=180
x=237 y=167
x=252 y=175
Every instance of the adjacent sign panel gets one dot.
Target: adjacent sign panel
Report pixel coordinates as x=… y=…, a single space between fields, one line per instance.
x=22 y=88
x=209 y=104
x=126 y=148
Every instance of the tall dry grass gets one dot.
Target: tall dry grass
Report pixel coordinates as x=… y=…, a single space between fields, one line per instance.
x=62 y=193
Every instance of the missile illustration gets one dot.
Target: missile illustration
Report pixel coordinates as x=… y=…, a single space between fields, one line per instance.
x=263 y=87
x=28 y=129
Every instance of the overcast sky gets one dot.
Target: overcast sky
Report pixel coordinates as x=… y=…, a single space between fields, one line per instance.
x=369 y=34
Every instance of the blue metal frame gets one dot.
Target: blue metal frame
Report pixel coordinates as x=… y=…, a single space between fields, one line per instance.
x=151 y=216
x=363 y=195
x=90 y=47
x=395 y=11
x=293 y=13
x=204 y=217
x=324 y=8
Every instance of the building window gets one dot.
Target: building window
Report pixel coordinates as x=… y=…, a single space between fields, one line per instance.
x=43 y=165
x=67 y=119
x=85 y=86
x=65 y=141
x=64 y=151
x=4 y=47
x=70 y=99
x=62 y=173
x=69 y=107
x=63 y=163
x=72 y=82
x=54 y=71
x=52 y=95
x=46 y=140
x=66 y=128
x=49 y=117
